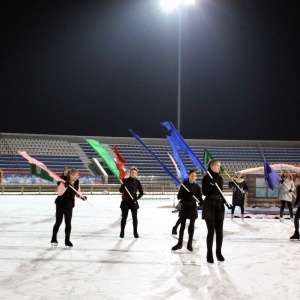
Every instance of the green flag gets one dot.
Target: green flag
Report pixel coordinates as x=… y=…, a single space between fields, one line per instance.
x=207 y=157
x=102 y=152
x=35 y=169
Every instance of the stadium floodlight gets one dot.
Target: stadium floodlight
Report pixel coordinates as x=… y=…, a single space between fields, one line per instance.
x=169 y=5
x=173 y=4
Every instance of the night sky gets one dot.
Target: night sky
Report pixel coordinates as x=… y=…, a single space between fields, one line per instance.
x=102 y=67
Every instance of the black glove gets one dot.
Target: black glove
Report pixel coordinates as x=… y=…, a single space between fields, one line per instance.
x=290 y=191
x=281 y=181
x=200 y=202
x=212 y=181
x=66 y=184
x=83 y=198
x=228 y=205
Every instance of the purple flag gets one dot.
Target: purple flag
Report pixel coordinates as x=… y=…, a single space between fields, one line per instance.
x=271 y=177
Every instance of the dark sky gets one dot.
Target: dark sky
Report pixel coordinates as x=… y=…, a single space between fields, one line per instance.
x=101 y=67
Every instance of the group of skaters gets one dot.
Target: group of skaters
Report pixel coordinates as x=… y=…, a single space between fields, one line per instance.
x=190 y=196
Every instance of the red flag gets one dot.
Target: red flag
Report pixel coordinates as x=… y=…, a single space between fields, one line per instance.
x=119 y=161
x=36 y=167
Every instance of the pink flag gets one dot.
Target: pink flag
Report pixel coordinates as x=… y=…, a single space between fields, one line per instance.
x=38 y=168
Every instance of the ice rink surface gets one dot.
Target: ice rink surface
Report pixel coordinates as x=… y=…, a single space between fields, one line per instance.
x=260 y=261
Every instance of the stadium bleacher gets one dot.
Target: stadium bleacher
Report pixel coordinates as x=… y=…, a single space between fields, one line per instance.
x=56 y=152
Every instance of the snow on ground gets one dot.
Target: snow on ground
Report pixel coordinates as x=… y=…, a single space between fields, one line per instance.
x=261 y=262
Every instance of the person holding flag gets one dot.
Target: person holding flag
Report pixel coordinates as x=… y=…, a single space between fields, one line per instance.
x=286 y=188
x=130 y=187
x=64 y=205
x=213 y=209
x=240 y=187
x=189 y=191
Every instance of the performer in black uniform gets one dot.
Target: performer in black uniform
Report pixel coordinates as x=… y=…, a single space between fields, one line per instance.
x=188 y=208
x=64 y=205
x=130 y=187
x=213 y=209
x=240 y=187
x=296 y=236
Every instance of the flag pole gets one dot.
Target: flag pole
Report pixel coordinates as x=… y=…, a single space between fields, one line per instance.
x=127 y=190
x=80 y=195
x=289 y=189
x=43 y=166
x=189 y=191
x=218 y=188
x=234 y=182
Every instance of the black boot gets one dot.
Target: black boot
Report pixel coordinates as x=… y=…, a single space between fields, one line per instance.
x=209 y=257
x=190 y=241
x=295 y=236
x=190 y=245
x=174 y=230
x=67 y=242
x=219 y=255
x=135 y=233
x=54 y=241
x=122 y=233
x=178 y=246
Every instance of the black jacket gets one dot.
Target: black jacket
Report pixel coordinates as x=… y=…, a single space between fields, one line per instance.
x=213 y=205
x=189 y=203
x=133 y=185
x=67 y=199
x=194 y=189
x=238 y=197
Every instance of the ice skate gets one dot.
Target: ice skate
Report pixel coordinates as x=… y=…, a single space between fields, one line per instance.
x=174 y=230
x=177 y=247
x=209 y=257
x=190 y=244
x=295 y=236
x=219 y=255
x=68 y=244
x=54 y=242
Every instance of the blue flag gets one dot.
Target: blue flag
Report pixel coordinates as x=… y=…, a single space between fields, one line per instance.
x=183 y=171
x=271 y=177
x=182 y=145
x=175 y=179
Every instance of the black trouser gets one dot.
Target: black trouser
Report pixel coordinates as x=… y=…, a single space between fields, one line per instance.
x=60 y=213
x=191 y=229
x=296 y=221
x=213 y=225
x=125 y=207
x=234 y=206
x=178 y=223
x=283 y=205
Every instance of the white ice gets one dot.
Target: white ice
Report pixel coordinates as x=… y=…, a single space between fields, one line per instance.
x=260 y=261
